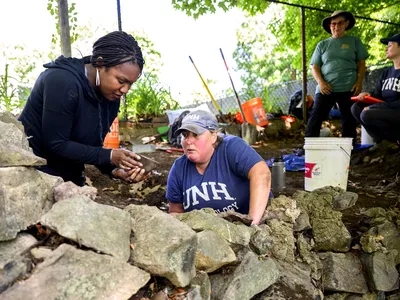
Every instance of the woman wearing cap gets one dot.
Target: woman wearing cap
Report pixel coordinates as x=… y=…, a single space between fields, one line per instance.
x=382 y=120
x=223 y=173
x=73 y=104
x=338 y=66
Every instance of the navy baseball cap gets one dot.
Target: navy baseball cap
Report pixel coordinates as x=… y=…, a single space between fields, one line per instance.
x=198 y=122
x=395 y=38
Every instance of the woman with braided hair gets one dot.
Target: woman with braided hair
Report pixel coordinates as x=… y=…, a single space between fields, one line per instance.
x=73 y=104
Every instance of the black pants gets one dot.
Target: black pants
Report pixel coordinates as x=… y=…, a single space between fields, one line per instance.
x=320 y=111
x=381 y=123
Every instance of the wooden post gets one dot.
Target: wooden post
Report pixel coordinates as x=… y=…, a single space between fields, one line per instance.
x=64 y=28
x=304 y=62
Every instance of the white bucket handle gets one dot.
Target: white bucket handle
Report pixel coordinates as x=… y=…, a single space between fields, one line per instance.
x=345 y=151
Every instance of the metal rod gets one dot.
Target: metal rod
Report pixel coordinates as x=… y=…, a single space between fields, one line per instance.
x=208 y=90
x=331 y=11
x=119 y=15
x=233 y=86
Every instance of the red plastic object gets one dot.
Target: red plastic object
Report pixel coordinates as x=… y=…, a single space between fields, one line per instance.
x=289 y=119
x=367 y=99
x=239 y=117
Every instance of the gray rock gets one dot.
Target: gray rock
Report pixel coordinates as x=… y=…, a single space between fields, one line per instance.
x=331 y=234
x=233 y=216
x=371 y=243
x=162 y=245
x=379 y=215
x=41 y=252
x=203 y=282
x=347 y=296
x=302 y=222
x=51 y=184
x=391 y=237
x=261 y=242
x=24 y=198
x=232 y=129
x=11 y=134
x=11 y=250
x=101 y=227
x=344 y=201
x=194 y=294
x=249 y=133
x=285 y=208
x=199 y=220
x=251 y=277
x=212 y=252
x=367 y=159
x=7 y=117
x=343 y=273
x=283 y=241
x=12 y=271
x=377 y=160
x=69 y=273
x=305 y=247
x=381 y=271
x=69 y=189
x=13 y=156
x=294 y=283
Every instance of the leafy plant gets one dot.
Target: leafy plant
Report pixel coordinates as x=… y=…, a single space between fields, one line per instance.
x=269 y=43
x=148 y=99
x=15 y=79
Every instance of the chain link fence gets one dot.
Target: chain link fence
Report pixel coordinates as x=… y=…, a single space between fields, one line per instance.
x=279 y=95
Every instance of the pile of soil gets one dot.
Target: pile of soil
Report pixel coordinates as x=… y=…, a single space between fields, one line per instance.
x=364 y=178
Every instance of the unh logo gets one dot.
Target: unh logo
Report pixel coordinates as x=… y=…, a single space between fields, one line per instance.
x=192 y=117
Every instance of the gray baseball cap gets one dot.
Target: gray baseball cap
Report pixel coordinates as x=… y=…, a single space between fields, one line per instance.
x=198 y=122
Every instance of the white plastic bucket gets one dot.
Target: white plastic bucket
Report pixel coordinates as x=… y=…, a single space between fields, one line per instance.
x=327 y=162
x=366 y=139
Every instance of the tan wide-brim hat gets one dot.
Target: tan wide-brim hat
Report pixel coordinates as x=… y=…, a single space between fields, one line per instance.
x=348 y=16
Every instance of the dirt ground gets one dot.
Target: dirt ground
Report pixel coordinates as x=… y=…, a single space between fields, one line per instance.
x=369 y=180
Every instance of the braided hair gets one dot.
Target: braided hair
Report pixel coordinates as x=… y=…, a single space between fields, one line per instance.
x=116 y=48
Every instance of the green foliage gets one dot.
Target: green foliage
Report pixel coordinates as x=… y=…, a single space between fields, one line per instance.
x=269 y=43
x=147 y=98
x=52 y=7
x=198 y=8
x=15 y=78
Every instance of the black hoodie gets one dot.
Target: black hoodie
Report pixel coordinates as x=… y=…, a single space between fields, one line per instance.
x=66 y=121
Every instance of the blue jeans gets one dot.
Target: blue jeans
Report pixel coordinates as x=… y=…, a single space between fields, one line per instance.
x=321 y=108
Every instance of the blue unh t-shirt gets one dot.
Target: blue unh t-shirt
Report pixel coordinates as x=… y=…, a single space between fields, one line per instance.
x=223 y=186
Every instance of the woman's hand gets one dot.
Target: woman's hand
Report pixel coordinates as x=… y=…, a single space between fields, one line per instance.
x=325 y=88
x=125 y=159
x=131 y=175
x=175 y=208
x=356 y=89
x=362 y=96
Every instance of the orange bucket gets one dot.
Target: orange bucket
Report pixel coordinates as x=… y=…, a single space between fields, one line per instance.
x=254 y=112
x=112 y=138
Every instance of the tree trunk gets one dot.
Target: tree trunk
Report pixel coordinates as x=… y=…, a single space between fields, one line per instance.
x=64 y=28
